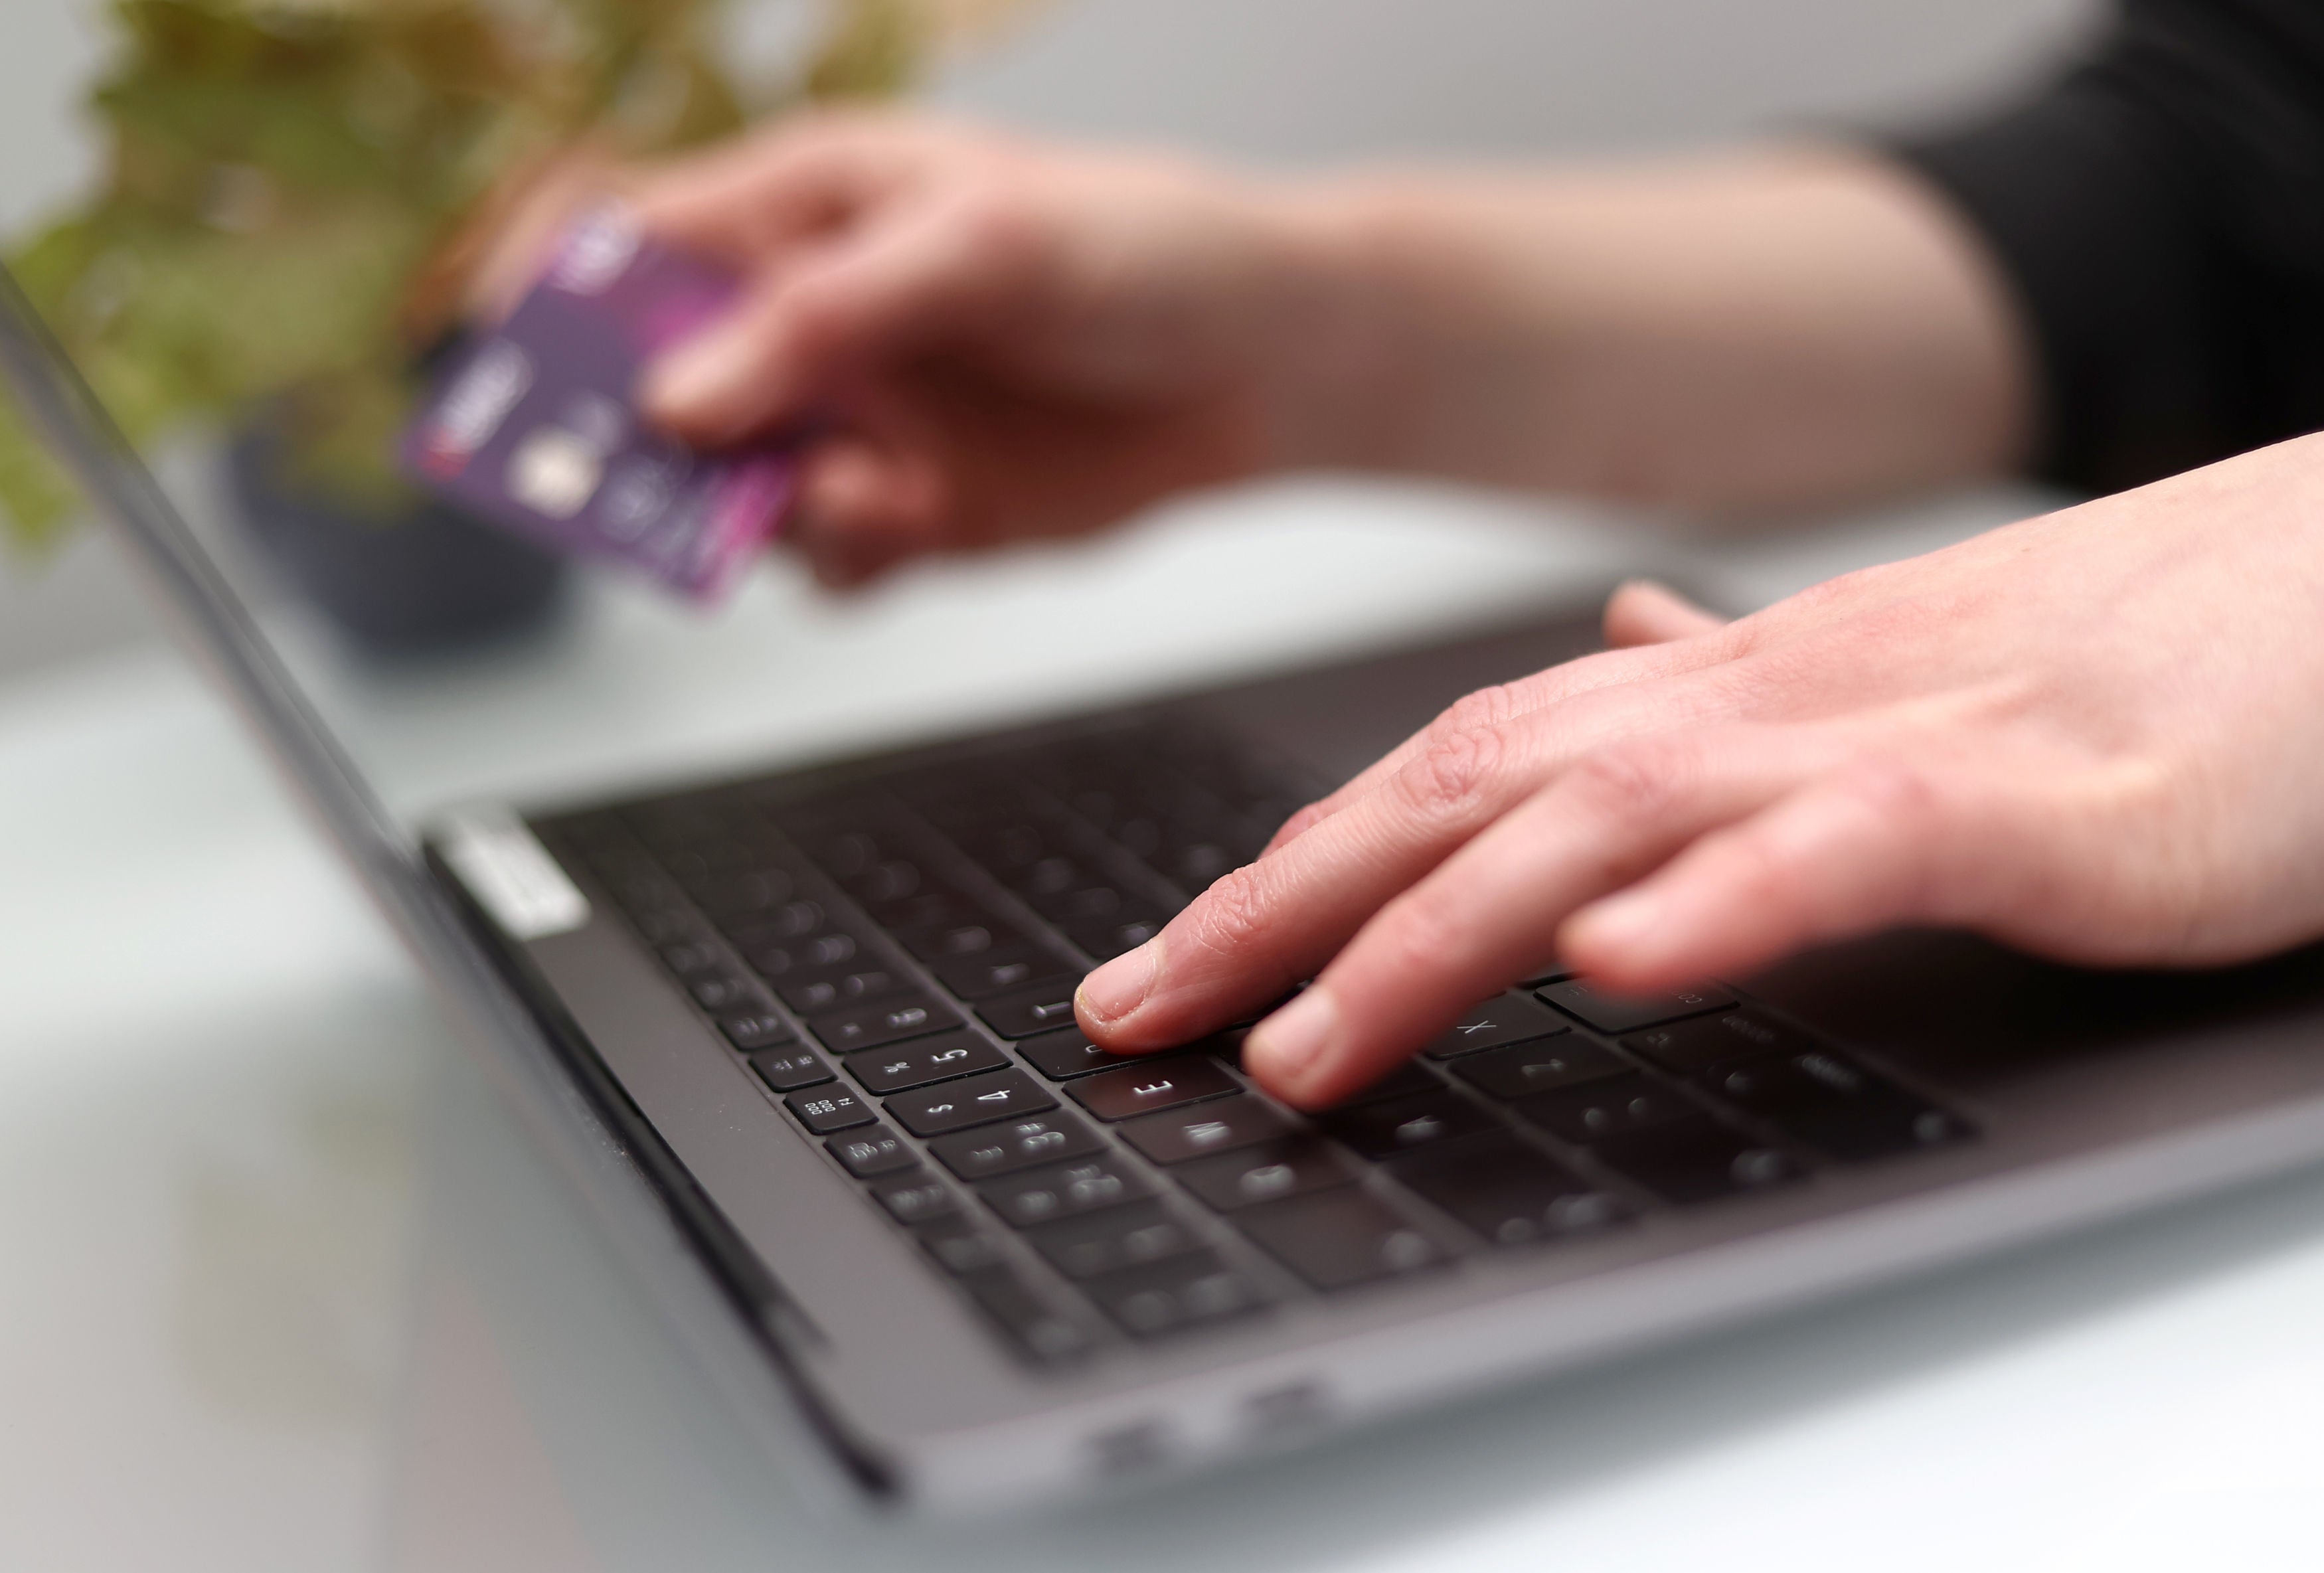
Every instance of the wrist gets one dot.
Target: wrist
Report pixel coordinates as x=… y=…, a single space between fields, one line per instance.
x=1345 y=372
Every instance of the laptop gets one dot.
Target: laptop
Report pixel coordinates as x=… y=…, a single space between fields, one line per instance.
x=804 y=1038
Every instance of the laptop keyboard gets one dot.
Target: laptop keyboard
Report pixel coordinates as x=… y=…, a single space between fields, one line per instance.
x=896 y=960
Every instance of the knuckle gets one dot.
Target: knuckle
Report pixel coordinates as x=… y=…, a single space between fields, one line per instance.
x=2108 y=872
x=1451 y=781
x=1482 y=710
x=1768 y=869
x=1234 y=917
x=1786 y=883
x=1898 y=794
x=1909 y=809
x=1630 y=783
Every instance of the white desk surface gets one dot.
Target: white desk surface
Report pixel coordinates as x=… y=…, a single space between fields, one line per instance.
x=285 y=1288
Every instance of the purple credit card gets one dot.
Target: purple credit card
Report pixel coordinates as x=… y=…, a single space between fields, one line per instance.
x=532 y=426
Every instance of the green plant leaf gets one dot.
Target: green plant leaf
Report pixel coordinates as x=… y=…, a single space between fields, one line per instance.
x=280 y=171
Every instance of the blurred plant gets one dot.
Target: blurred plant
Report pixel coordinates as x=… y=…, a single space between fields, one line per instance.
x=286 y=179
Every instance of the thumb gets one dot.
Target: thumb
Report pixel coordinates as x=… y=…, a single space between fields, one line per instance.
x=886 y=293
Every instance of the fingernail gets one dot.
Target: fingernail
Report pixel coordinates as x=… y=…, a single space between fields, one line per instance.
x=1121 y=985
x=1284 y=1045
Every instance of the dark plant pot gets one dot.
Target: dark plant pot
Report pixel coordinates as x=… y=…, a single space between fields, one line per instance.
x=411 y=582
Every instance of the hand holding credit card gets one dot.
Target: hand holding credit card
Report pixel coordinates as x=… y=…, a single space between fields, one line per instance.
x=532 y=424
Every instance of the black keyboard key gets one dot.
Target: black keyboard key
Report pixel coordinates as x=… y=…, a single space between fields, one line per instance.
x=1140 y=835
x=1196 y=865
x=687 y=957
x=1106 y=938
x=731 y=853
x=1021 y=1144
x=1335 y=1239
x=871 y=1026
x=1612 y=1106
x=1036 y=1327
x=1507 y=1192
x=784 y=960
x=1028 y=1011
x=1006 y=969
x=744 y=895
x=843 y=853
x=930 y=909
x=1095 y=902
x=755 y=928
x=1063 y=1055
x=788 y=1069
x=889 y=880
x=1690 y=1048
x=1181 y=1291
x=1838 y=1105
x=1695 y=1160
x=1040 y=1196
x=1220 y=1126
x=959 y=1245
x=1168 y=1081
x=723 y=991
x=1005 y=853
x=832 y=948
x=1401 y=1083
x=1620 y=1013
x=875 y=1150
x=827 y=1109
x=1503 y=1019
x=1048 y=875
x=754 y=1029
x=1267 y=1172
x=922 y=1060
x=978 y=1101
x=816 y=993
x=701 y=870
x=947 y=942
x=836 y=948
x=1522 y=1069
x=1382 y=1130
x=914 y=1199
x=1107 y=1242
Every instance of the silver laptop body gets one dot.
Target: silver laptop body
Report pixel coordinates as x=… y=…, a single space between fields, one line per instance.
x=2018 y=1098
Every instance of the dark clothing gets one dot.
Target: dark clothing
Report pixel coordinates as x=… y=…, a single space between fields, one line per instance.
x=2160 y=210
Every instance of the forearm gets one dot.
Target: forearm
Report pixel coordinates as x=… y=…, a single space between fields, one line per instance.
x=1754 y=333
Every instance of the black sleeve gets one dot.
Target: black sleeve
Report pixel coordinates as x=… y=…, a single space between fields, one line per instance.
x=2159 y=212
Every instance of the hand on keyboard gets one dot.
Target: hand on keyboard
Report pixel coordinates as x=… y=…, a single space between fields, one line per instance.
x=2089 y=734
x=894 y=954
